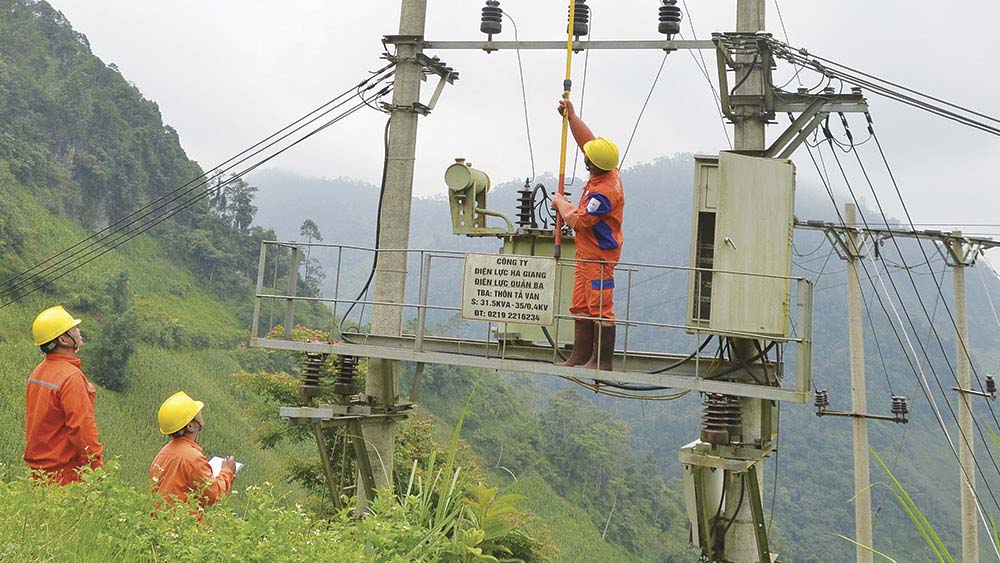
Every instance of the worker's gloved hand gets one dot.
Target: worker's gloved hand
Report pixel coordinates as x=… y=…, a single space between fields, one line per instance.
x=230 y=463
x=558 y=198
x=565 y=105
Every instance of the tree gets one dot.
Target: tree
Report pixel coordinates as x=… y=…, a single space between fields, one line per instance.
x=310 y=231
x=314 y=275
x=115 y=343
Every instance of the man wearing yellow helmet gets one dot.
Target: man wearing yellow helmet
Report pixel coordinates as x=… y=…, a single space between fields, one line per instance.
x=181 y=468
x=60 y=428
x=597 y=221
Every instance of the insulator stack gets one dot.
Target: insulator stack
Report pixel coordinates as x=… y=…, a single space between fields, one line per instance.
x=720 y=419
x=526 y=206
x=581 y=21
x=991 y=384
x=492 y=23
x=900 y=407
x=344 y=383
x=312 y=371
x=822 y=399
x=670 y=18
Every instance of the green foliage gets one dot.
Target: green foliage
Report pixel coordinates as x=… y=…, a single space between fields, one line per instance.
x=581 y=452
x=110 y=354
x=105 y=519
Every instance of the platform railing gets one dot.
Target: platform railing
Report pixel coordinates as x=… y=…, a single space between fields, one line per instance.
x=353 y=260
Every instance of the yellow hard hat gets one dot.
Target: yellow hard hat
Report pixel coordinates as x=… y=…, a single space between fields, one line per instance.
x=177 y=411
x=51 y=323
x=603 y=153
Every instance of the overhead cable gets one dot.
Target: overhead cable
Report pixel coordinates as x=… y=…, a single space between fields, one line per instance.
x=916 y=368
x=925 y=388
x=196 y=182
x=138 y=224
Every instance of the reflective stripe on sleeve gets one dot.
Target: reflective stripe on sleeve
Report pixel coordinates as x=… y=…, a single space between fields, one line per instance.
x=45 y=384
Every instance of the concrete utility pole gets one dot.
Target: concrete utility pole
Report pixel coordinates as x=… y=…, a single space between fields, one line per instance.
x=394 y=233
x=859 y=399
x=741 y=541
x=970 y=523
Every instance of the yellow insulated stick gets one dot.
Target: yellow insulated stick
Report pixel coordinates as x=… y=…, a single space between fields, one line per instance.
x=567 y=86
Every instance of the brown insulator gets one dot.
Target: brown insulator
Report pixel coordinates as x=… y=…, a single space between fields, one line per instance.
x=312 y=371
x=720 y=423
x=345 y=384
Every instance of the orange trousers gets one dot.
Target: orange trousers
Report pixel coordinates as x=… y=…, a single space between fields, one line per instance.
x=594 y=290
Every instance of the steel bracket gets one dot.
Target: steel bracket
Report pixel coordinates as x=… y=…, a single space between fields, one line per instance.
x=757 y=513
x=842 y=245
x=798 y=131
x=971 y=250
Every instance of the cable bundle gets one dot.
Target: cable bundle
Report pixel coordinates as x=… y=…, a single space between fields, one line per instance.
x=187 y=195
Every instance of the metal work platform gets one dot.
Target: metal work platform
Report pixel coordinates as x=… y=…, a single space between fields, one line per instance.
x=505 y=349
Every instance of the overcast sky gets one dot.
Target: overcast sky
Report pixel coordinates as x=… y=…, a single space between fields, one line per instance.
x=226 y=73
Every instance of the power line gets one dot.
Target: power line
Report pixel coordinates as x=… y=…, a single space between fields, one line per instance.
x=886 y=88
x=643 y=110
x=962 y=434
x=137 y=214
x=917 y=370
x=703 y=67
x=524 y=97
x=118 y=237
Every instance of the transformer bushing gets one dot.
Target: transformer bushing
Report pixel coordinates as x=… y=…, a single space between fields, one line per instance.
x=720 y=423
x=526 y=206
x=312 y=371
x=345 y=384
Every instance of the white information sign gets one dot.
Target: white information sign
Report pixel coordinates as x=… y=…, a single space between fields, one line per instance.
x=509 y=288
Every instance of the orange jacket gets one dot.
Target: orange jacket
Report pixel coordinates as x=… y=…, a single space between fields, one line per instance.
x=60 y=429
x=598 y=218
x=181 y=467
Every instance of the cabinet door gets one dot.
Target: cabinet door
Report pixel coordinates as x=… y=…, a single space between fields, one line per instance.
x=753 y=235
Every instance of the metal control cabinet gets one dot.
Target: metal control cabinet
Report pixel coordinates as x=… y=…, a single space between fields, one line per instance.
x=741 y=245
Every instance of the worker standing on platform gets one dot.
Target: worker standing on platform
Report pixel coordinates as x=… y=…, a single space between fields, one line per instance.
x=181 y=468
x=597 y=221
x=60 y=428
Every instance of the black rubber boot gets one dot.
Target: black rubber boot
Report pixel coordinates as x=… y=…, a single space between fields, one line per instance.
x=603 y=356
x=583 y=344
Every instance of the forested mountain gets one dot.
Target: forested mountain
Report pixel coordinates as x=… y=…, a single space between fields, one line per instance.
x=86 y=143
x=814 y=484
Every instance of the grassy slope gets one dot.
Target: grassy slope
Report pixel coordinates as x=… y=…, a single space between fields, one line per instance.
x=164 y=296
x=573 y=532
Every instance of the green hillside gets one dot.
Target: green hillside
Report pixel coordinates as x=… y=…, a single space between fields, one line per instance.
x=186 y=339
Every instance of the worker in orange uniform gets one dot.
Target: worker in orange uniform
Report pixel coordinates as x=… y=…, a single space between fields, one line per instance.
x=60 y=428
x=597 y=221
x=181 y=468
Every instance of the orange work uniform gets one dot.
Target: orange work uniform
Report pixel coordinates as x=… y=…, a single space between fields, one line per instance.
x=598 y=226
x=181 y=467
x=60 y=428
